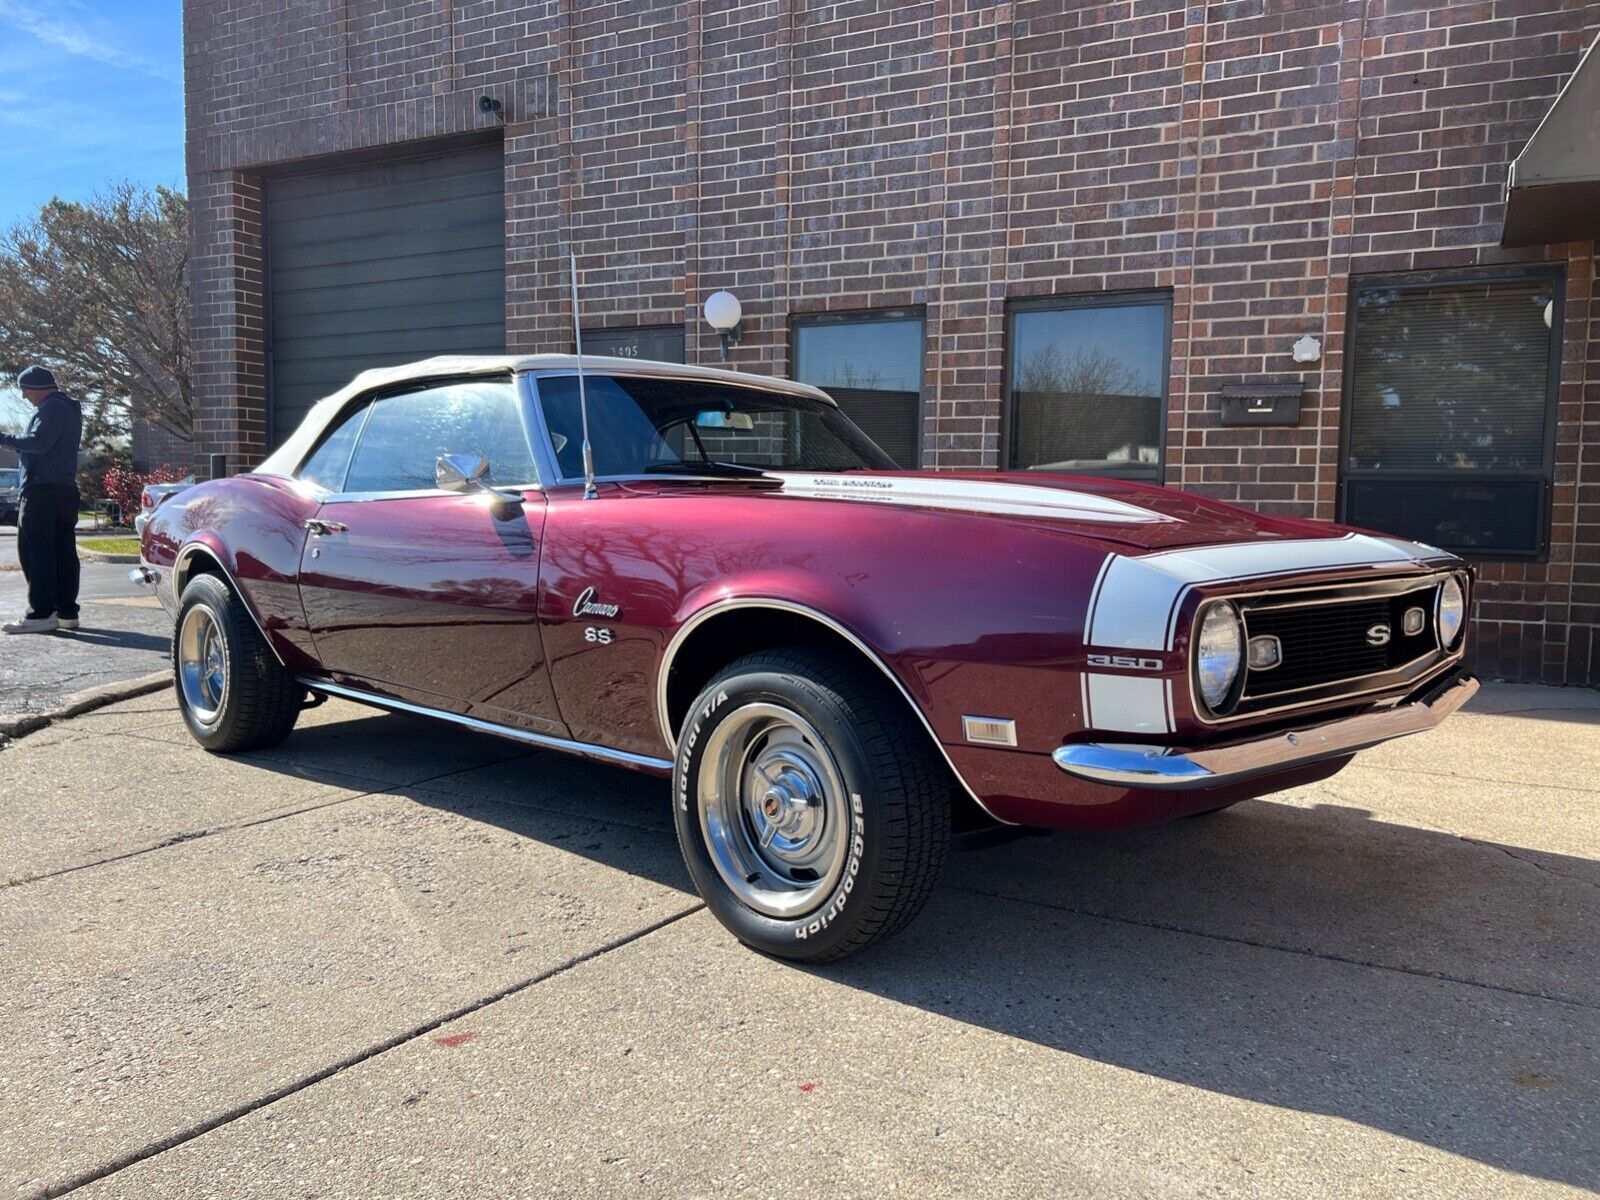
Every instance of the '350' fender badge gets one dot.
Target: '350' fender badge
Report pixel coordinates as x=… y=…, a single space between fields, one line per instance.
x=587 y=606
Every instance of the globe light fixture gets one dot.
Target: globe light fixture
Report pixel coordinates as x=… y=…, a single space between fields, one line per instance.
x=722 y=310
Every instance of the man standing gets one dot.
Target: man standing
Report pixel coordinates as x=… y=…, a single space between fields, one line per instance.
x=49 y=513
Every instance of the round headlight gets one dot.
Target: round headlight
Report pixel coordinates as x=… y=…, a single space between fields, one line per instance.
x=1218 y=653
x=1451 y=612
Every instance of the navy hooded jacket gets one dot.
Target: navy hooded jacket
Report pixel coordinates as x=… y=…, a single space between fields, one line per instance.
x=49 y=447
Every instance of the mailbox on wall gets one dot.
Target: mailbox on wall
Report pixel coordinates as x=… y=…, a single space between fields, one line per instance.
x=1262 y=403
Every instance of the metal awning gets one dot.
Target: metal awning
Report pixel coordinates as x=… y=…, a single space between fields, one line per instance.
x=1553 y=189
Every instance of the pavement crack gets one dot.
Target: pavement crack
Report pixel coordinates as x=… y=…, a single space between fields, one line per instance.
x=178 y=839
x=1284 y=948
x=199 y=1129
x=1531 y=861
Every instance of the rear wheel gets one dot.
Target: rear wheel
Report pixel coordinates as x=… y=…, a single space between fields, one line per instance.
x=809 y=806
x=233 y=693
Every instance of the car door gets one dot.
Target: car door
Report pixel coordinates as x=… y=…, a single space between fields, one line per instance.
x=425 y=594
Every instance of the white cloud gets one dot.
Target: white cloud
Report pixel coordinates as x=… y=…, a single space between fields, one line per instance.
x=74 y=39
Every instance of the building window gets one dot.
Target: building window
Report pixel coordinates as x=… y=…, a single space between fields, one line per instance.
x=871 y=364
x=1450 y=393
x=658 y=343
x=1088 y=385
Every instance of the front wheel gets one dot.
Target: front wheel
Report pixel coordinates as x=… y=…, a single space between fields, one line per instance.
x=810 y=809
x=232 y=691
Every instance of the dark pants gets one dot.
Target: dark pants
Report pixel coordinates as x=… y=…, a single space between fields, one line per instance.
x=48 y=549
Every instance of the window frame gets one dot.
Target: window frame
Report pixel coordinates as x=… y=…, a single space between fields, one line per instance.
x=1120 y=299
x=1553 y=274
x=371 y=399
x=869 y=316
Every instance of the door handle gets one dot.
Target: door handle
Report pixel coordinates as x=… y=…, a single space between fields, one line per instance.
x=319 y=528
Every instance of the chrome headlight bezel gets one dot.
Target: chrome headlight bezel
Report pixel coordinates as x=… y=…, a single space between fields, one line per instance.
x=1216 y=619
x=1451 y=583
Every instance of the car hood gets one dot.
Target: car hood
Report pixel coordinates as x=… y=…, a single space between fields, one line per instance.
x=1125 y=514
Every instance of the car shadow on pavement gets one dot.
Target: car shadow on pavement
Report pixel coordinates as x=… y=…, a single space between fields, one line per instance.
x=1305 y=956
x=120 y=639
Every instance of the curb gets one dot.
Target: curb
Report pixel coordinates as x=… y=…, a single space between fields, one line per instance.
x=12 y=728
x=101 y=556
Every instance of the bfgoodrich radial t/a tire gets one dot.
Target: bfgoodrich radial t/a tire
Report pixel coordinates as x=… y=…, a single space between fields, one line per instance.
x=232 y=691
x=810 y=808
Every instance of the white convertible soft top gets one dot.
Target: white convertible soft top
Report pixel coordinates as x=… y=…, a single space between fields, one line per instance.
x=286 y=459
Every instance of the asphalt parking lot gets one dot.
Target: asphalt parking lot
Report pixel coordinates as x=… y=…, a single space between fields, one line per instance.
x=124 y=634
x=394 y=959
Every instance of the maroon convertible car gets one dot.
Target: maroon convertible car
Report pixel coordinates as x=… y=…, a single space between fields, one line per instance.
x=834 y=660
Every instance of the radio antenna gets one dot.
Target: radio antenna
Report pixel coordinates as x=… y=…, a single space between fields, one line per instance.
x=589 y=490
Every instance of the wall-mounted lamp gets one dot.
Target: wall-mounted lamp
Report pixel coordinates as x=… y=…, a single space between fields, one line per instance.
x=488 y=104
x=722 y=314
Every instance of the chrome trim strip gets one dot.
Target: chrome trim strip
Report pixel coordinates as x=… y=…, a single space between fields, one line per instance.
x=542 y=740
x=1147 y=767
x=188 y=551
x=418 y=494
x=669 y=735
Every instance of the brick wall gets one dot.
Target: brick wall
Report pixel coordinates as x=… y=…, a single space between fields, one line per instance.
x=152 y=446
x=1250 y=157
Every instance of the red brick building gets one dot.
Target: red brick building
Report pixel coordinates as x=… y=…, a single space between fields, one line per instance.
x=1096 y=235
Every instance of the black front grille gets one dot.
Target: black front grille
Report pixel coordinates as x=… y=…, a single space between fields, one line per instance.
x=1327 y=643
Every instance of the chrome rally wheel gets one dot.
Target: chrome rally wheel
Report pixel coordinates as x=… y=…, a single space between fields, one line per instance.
x=773 y=810
x=233 y=692
x=811 y=808
x=202 y=661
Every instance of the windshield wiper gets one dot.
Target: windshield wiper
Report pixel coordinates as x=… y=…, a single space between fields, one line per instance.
x=708 y=467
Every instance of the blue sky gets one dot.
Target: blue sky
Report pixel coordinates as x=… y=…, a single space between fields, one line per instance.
x=91 y=91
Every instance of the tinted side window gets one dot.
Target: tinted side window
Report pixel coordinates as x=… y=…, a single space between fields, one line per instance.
x=329 y=461
x=408 y=433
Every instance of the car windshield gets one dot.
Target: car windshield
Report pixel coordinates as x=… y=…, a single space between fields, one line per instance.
x=648 y=426
x=9 y=478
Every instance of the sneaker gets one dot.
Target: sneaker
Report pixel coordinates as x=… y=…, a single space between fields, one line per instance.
x=32 y=625
x=66 y=622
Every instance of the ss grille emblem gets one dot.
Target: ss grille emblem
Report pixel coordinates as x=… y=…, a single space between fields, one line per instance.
x=1378 y=635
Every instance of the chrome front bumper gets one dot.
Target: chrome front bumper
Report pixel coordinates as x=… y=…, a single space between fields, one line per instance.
x=1154 y=767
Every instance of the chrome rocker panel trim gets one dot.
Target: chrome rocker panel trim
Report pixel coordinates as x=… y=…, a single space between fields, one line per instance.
x=1146 y=767
x=542 y=740
x=700 y=616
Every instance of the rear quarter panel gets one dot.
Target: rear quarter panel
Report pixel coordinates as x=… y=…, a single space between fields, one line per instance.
x=254 y=526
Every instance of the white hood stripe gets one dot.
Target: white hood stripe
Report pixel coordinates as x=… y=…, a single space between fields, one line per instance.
x=963 y=495
x=1136 y=601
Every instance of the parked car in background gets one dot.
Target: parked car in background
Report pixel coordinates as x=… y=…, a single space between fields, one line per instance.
x=151 y=497
x=10 y=494
x=834 y=660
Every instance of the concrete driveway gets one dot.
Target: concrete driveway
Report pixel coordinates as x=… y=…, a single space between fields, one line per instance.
x=394 y=959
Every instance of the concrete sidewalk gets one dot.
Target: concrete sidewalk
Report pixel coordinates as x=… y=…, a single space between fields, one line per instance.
x=389 y=958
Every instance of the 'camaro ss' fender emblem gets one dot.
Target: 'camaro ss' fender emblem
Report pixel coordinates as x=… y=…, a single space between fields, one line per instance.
x=1378 y=635
x=587 y=606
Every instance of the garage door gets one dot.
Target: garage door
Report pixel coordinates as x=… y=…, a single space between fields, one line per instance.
x=380 y=264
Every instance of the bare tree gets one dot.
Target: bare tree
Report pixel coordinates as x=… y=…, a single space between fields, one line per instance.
x=98 y=292
x=1086 y=371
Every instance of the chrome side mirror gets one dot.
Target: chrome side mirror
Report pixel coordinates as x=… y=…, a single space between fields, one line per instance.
x=467 y=473
x=461 y=472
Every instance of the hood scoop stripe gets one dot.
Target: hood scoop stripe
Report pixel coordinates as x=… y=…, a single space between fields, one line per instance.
x=961 y=495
